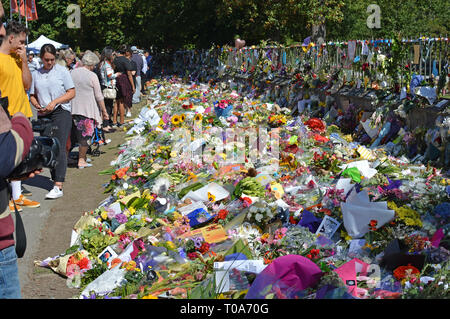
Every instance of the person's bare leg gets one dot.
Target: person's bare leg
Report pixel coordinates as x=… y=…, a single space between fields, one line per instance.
x=122 y=112
x=115 y=108
x=82 y=155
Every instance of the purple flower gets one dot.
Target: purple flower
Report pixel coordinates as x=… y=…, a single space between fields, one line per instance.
x=121 y=218
x=197 y=242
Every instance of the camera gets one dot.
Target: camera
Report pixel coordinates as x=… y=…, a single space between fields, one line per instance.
x=43 y=152
x=44 y=126
x=44 y=149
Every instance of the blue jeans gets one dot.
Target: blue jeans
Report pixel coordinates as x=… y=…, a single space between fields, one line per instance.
x=9 y=274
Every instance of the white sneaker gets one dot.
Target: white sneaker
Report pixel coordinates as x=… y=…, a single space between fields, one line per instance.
x=128 y=114
x=55 y=193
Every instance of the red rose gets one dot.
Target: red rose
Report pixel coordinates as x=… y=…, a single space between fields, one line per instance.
x=192 y=256
x=315 y=124
x=204 y=248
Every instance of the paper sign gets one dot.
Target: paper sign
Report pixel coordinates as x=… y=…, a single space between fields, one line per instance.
x=328 y=227
x=192 y=233
x=264 y=179
x=216 y=190
x=191 y=207
x=107 y=255
x=214 y=234
x=371 y=131
x=228 y=275
x=277 y=190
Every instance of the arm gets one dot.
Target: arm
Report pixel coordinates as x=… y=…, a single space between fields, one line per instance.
x=99 y=97
x=26 y=74
x=130 y=78
x=34 y=101
x=69 y=95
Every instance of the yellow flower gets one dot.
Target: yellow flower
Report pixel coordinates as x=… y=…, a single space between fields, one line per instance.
x=104 y=215
x=130 y=266
x=171 y=245
x=198 y=117
x=150 y=297
x=177 y=215
x=182 y=117
x=211 y=197
x=176 y=120
x=132 y=210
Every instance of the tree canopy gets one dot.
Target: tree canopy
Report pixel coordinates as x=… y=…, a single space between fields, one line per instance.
x=203 y=23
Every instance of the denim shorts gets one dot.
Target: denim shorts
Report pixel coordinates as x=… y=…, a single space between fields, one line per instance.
x=9 y=274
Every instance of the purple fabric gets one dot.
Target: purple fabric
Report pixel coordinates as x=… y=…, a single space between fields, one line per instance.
x=285 y=277
x=393 y=184
x=309 y=221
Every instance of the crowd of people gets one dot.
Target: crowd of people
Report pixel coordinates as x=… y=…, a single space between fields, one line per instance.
x=78 y=94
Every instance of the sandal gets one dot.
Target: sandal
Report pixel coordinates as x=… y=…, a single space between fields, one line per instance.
x=87 y=165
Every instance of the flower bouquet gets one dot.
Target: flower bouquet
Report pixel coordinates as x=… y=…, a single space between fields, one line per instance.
x=223 y=108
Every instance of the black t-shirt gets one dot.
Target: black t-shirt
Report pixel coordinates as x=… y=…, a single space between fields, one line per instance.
x=122 y=64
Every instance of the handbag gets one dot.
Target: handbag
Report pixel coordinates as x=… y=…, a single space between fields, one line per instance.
x=109 y=93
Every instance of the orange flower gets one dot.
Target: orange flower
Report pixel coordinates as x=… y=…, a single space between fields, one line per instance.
x=373 y=225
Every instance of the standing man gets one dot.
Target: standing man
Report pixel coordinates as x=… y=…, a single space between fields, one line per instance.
x=136 y=57
x=15 y=80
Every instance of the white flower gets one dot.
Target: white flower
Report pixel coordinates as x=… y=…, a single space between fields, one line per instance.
x=125 y=185
x=259 y=217
x=426 y=279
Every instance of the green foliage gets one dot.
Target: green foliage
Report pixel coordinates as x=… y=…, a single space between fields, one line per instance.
x=191 y=24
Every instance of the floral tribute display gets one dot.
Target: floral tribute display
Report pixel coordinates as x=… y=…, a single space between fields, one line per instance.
x=220 y=184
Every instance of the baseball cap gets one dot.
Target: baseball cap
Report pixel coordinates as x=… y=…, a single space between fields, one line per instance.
x=134 y=48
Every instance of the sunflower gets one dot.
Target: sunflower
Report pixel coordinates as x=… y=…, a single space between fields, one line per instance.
x=176 y=120
x=198 y=117
x=211 y=197
x=182 y=117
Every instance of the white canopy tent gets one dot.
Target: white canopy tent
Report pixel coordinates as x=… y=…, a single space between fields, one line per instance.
x=38 y=43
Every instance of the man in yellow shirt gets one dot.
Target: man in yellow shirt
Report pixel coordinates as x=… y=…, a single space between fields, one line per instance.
x=15 y=79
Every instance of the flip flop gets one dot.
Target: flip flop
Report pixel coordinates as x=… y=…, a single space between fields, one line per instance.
x=87 y=165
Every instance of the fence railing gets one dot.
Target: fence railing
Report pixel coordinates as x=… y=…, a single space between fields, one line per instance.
x=422 y=56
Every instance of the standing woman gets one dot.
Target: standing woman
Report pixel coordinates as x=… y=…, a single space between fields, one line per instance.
x=87 y=105
x=108 y=78
x=125 y=84
x=51 y=91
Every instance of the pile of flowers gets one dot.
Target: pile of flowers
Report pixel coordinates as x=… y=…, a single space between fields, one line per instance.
x=172 y=217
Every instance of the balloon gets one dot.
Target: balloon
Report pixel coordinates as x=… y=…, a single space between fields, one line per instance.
x=239 y=44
